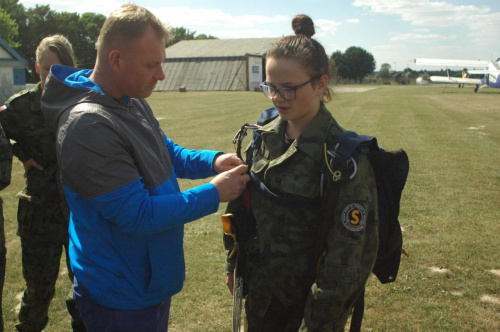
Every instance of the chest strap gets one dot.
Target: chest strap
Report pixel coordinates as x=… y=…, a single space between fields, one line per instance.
x=299 y=203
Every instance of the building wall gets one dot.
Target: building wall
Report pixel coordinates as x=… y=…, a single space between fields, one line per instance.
x=204 y=74
x=255 y=73
x=7 y=86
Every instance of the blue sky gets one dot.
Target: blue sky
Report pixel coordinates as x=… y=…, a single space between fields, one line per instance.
x=394 y=31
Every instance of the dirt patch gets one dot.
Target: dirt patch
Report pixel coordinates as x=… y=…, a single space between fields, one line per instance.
x=437 y=269
x=495 y=272
x=19 y=297
x=490 y=299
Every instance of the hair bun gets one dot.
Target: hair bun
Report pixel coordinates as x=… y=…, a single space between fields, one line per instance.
x=303 y=25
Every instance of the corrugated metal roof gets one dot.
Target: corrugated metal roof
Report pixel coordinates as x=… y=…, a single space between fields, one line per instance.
x=209 y=48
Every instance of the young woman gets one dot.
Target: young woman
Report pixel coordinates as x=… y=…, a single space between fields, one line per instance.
x=43 y=213
x=285 y=292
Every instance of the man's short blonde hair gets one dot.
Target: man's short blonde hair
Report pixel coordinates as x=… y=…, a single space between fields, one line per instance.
x=60 y=46
x=127 y=23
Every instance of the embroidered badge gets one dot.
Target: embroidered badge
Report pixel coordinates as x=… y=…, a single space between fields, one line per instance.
x=354 y=217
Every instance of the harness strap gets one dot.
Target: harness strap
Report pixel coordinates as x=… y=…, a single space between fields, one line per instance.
x=351 y=144
x=262 y=189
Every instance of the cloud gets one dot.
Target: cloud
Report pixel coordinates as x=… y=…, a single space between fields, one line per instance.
x=77 y=6
x=181 y=16
x=413 y=37
x=352 y=20
x=426 y=12
x=482 y=23
x=326 y=27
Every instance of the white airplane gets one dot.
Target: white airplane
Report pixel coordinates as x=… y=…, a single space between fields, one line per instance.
x=490 y=70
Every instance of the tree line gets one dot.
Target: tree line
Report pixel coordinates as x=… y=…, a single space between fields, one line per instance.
x=23 y=28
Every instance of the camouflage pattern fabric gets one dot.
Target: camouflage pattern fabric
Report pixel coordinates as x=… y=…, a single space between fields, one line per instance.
x=3 y=253
x=5 y=175
x=43 y=214
x=279 y=291
x=40 y=270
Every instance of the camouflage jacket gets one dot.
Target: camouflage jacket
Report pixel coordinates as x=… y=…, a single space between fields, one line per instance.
x=286 y=236
x=23 y=122
x=5 y=160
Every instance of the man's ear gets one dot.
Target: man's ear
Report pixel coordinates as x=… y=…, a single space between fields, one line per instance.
x=37 y=67
x=115 y=60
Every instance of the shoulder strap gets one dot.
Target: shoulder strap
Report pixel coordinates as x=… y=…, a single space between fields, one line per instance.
x=350 y=144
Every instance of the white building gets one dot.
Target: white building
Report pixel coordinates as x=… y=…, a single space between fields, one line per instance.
x=12 y=72
x=215 y=65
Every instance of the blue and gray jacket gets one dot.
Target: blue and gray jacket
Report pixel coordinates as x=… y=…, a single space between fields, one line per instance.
x=119 y=172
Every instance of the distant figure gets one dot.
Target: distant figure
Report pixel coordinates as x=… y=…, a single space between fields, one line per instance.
x=119 y=172
x=5 y=173
x=465 y=74
x=43 y=214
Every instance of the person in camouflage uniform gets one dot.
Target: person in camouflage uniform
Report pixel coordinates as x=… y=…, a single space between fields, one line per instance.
x=43 y=213
x=5 y=173
x=284 y=291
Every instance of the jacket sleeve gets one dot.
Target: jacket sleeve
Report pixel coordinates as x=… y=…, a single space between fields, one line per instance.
x=9 y=119
x=191 y=164
x=351 y=250
x=133 y=210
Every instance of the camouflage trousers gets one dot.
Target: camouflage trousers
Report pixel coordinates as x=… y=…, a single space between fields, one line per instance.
x=3 y=253
x=277 y=318
x=41 y=262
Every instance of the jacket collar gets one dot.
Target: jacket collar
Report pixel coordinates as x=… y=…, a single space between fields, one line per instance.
x=310 y=140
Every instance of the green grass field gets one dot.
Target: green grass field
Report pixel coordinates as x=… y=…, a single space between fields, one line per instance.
x=450 y=208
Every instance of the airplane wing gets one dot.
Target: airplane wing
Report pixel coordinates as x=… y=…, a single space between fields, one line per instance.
x=455 y=80
x=485 y=71
x=451 y=63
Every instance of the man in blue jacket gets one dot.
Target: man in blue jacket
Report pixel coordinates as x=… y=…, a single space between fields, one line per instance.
x=119 y=172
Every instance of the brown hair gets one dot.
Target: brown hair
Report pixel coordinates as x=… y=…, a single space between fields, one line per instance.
x=60 y=46
x=301 y=47
x=129 y=22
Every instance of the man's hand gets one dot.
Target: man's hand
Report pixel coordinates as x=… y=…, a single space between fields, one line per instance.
x=230 y=281
x=230 y=184
x=31 y=163
x=225 y=162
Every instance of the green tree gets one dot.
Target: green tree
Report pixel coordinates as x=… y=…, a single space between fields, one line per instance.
x=8 y=29
x=16 y=12
x=204 y=36
x=385 y=72
x=359 y=62
x=354 y=64
x=386 y=66
x=181 y=34
x=90 y=25
x=338 y=66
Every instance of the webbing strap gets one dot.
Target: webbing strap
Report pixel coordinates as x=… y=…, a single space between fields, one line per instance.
x=349 y=141
x=261 y=188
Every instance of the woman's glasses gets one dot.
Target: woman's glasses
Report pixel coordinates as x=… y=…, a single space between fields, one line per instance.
x=287 y=93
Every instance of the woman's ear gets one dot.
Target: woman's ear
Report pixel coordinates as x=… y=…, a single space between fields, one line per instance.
x=323 y=84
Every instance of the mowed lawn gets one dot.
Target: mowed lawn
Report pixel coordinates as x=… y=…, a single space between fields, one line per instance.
x=450 y=208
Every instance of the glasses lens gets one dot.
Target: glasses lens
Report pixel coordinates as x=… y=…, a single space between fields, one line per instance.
x=267 y=90
x=287 y=93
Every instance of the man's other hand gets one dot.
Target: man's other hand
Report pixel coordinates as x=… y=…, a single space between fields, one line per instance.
x=225 y=162
x=231 y=184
